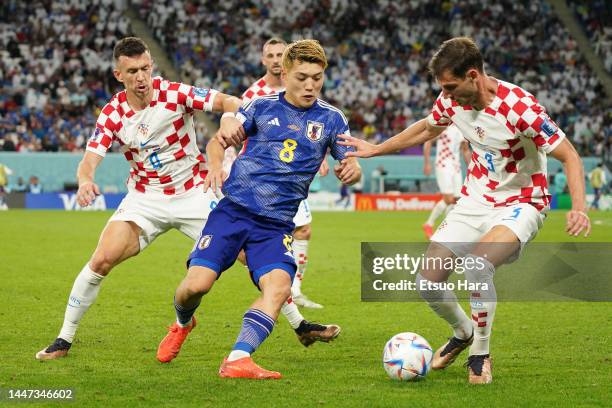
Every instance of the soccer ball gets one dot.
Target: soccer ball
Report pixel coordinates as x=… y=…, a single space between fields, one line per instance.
x=407 y=357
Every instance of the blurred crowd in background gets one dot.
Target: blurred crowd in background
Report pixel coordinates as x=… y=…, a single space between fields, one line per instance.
x=56 y=58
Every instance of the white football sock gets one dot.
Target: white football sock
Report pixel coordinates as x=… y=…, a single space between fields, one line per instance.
x=436 y=212
x=300 y=252
x=84 y=293
x=444 y=303
x=483 y=302
x=237 y=355
x=292 y=313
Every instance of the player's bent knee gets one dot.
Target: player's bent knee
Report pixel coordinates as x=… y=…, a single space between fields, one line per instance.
x=433 y=269
x=199 y=280
x=102 y=262
x=477 y=269
x=197 y=287
x=279 y=295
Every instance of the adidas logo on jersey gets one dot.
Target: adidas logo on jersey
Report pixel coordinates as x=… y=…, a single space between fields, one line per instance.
x=274 y=122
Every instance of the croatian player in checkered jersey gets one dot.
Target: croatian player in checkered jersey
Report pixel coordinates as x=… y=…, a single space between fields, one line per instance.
x=449 y=145
x=262 y=194
x=504 y=196
x=152 y=121
x=270 y=84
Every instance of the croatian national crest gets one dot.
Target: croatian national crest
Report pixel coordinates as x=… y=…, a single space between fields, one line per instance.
x=314 y=130
x=480 y=133
x=142 y=130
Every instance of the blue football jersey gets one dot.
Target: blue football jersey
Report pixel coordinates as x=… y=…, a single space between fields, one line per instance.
x=283 y=151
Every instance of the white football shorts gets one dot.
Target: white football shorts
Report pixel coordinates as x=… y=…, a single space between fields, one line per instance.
x=449 y=180
x=469 y=220
x=157 y=213
x=303 y=216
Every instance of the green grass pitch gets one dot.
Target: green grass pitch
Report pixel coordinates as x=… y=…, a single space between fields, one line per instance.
x=544 y=354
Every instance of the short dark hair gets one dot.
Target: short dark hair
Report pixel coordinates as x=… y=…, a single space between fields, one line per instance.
x=273 y=41
x=457 y=55
x=129 y=47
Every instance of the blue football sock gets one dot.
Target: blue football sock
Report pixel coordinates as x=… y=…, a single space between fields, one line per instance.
x=256 y=327
x=184 y=315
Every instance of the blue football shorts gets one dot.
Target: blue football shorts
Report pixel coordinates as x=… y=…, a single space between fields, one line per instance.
x=230 y=228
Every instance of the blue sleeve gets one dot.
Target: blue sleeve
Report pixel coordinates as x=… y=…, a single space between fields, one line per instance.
x=338 y=151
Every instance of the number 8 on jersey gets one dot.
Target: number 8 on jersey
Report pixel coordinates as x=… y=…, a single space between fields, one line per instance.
x=287 y=154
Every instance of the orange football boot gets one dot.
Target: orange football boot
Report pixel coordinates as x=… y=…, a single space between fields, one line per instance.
x=246 y=368
x=171 y=344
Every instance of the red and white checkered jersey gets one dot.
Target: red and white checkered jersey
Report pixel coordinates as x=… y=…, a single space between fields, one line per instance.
x=510 y=139
x=259 y=88
x=159 y=141
x=448 y=146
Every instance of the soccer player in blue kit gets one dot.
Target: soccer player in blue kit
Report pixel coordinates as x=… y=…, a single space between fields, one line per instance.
x=287 y=137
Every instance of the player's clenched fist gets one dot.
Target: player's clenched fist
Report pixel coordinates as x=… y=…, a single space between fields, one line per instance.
x=87 y=193
x=231 y=132
x=348 y=171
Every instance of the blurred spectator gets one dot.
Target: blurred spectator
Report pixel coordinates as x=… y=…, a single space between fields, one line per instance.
x=345 y=196
x=19 y=187
x=597 y=177
x=378 y=179
x=560 y=183
x=5 y=172
x=34 y=187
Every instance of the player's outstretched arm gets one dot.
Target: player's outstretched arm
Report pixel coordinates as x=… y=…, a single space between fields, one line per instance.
x=348 y=171
x=577 y=219
x=88 y=190
x=231 y=131
x=216 y=175
x=415 y=134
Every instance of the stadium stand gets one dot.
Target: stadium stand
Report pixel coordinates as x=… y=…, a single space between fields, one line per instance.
x=596 y=20
x=55 y=59
x=55 y=66
x=379 y=50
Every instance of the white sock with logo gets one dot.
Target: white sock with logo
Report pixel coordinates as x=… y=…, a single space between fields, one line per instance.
x=292 y=313
x=483 y=302
x=300 y=252
x=84 y=293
